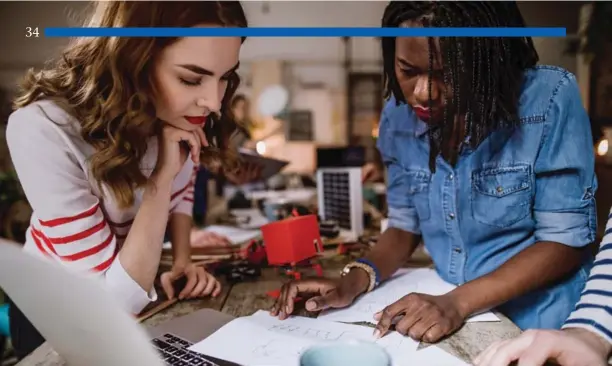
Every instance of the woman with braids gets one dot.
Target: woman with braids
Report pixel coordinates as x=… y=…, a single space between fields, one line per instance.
x=106 y=141
x=490 y=163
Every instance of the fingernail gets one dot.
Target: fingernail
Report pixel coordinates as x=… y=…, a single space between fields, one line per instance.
x=376 y=333
x=311 y=305
x=377 y=315
x=287 y=309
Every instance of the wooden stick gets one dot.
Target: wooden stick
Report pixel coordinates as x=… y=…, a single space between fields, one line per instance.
x=162 y=306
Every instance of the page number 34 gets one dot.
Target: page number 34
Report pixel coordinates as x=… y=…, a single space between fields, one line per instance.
x=31 y=32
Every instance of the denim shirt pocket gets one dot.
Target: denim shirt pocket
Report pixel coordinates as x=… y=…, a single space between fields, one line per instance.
x=418 y=189
x=501 y=196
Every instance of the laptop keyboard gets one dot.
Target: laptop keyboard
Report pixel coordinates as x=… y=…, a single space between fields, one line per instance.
x=175 y=353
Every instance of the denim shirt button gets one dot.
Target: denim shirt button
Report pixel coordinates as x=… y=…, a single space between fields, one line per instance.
x=457 y=250
x=451 y=215
x=451 y=176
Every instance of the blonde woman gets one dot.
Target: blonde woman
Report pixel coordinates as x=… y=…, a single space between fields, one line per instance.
x=106 y=143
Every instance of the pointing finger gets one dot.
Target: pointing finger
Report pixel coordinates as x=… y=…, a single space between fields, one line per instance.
x=386 y=318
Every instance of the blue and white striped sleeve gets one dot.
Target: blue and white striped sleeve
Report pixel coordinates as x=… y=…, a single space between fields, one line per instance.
x=594 y=310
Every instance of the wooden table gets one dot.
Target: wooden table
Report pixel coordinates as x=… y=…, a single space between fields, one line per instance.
x=245 y=298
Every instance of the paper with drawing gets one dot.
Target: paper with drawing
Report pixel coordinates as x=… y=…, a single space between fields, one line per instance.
x=405 y=281
x=263 y=339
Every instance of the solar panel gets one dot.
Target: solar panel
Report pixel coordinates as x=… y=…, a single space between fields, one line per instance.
x=340 y=197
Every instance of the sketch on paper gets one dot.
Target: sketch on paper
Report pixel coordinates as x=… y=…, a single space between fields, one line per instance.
x=282 y=342
x=391 y=342
x=277 y=349
x=369 y=307
x=296 y=330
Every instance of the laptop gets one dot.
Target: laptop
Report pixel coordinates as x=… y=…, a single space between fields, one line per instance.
x=86 y=326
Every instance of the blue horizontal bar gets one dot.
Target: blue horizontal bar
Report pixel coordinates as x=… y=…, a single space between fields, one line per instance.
x=305 y=32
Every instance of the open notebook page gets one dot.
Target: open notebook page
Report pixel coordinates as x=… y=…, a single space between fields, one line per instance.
x=265 y=340
x=403 y=282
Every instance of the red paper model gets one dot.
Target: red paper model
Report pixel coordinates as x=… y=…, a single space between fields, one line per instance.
x=292 y=240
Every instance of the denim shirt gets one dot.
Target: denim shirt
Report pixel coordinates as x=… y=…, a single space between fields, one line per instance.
x=533 y=183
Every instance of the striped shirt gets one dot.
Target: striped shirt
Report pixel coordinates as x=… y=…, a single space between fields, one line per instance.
x=594 y=310
x=73 y=221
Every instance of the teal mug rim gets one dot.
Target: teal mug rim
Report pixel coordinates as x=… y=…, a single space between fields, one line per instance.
x=354 y=343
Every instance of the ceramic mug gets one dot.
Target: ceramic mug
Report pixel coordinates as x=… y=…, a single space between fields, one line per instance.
x=343 y=353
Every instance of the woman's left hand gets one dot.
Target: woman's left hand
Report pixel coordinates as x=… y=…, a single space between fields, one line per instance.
x=422 y=317
x=207 y=239
x=199 y=282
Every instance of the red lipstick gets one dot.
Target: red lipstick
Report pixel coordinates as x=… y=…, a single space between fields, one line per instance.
x=422 y=113
x=199 y=120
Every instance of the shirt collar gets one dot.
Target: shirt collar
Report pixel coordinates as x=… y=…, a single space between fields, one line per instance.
x=421 y=128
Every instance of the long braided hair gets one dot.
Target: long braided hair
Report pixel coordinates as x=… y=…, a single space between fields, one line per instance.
x=483 y=75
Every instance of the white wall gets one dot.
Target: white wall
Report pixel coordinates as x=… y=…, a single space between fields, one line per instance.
x=325 y=55
x=309 y=13
x=313 y=59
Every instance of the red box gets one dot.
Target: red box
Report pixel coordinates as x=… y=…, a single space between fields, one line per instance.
x=292 y=240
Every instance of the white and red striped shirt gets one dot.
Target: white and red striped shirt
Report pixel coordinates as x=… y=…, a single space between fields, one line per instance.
x=594 y=310
x=73 y=221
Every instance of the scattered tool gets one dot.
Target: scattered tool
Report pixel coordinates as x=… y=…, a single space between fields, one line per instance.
x=241 y=272
x=161 y=307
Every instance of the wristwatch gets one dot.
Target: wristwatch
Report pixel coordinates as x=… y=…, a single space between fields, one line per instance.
x=368 y=267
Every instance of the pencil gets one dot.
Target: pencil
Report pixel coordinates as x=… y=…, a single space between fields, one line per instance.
x=162 y=306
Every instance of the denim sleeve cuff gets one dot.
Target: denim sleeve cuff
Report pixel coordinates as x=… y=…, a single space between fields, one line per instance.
x=404 y=219
x=126 y=290
x=573 y=229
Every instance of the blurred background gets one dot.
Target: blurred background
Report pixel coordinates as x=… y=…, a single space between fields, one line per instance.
x=298 y=95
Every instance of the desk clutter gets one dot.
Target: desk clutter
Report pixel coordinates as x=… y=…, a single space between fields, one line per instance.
x=282 y=342
x=284 y=232
x=292 y=239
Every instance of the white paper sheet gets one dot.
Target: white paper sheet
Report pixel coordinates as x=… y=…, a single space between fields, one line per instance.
x=235 y=235
x=264 y=340
x=288 y=195
x=405 y=281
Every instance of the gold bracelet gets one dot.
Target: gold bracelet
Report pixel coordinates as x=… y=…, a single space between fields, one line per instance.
x=369 y=270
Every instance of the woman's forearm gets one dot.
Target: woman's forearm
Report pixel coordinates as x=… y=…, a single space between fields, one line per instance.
x=394 y=249
x=535 y=267
x=180 y=233
x=141 y=251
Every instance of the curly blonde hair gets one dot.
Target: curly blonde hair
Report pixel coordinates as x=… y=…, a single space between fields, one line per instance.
x=107 y=84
